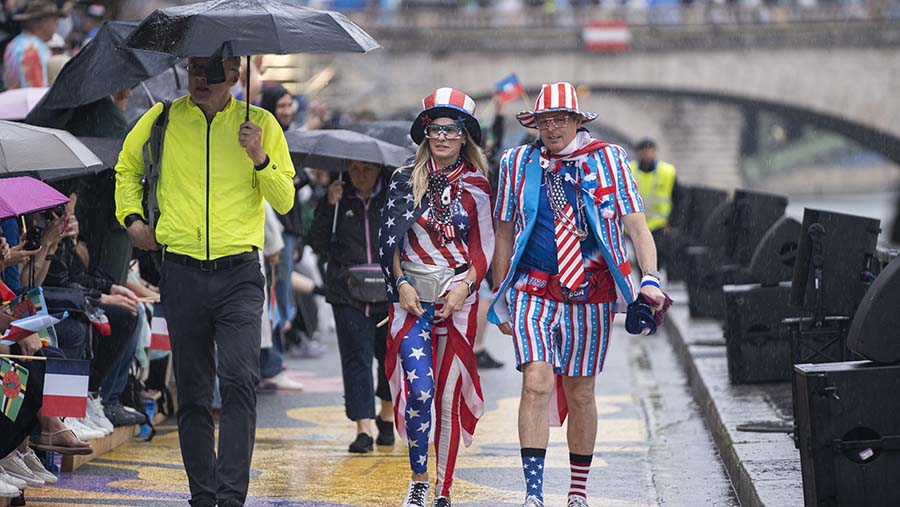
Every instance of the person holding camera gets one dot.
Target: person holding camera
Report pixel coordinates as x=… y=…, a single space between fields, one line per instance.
x=559 y=263
x=355 y=289
x=219 y=161
x=436 y=244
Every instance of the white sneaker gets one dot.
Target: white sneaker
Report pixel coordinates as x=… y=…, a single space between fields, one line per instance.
x=81 y=431
x=7 y=490
x=282 y=382
x=96 y=415
x=416 y=495
x=13 y=465
x=93 y=425
x=532 y=501
x=577 y=501
x=19 y=484
x=34 y=464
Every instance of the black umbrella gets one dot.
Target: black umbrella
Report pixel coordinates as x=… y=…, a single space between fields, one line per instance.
x=46 y=154
x=333 y=149
x=107 y=149
x=102 y=68
x=248 y=27
x=392 y=131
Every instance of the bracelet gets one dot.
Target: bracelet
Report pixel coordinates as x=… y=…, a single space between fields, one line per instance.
x=401 y=280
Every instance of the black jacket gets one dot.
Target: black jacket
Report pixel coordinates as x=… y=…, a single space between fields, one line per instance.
x=350 y=245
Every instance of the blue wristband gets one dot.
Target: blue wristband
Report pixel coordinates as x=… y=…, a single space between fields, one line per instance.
x=650 y=282
x=402 y=279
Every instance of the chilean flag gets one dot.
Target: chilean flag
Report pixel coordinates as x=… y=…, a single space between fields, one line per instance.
x=23 y=328
x=509 y=88
x=159 y=330
x=66 y=387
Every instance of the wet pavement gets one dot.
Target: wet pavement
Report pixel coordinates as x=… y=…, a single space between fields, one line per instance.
x=653 y=447
x=749 y=423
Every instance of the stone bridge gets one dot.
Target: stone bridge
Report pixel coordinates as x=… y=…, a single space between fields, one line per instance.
x=686 y=86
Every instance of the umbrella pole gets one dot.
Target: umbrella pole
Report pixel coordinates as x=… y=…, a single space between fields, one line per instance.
x=247 y=117
x=336 y=207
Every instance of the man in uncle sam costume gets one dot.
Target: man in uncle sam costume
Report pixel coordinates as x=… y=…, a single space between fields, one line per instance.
x=561 y=272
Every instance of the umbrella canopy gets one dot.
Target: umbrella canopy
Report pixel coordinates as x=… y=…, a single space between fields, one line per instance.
x=23 y=195
x=248 y=27
x=169 y=85
x=391 y=131
x=15 y=104
x=334 y=149
x=107 y=149
x=47 y=154
x=102 y=68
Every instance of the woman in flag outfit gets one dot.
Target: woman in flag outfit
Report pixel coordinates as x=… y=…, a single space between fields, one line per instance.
x=560 y=268
x=435 y=246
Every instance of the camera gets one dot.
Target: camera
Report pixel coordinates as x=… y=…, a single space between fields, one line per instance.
x=33 y=237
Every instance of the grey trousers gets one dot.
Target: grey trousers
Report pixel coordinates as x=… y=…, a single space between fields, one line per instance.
x=208 y=311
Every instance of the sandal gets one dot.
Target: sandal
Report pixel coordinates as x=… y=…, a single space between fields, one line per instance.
x=56 y=443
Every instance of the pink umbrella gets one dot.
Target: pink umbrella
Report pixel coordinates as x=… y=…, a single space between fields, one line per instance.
x=17 y=103
x=23 y=195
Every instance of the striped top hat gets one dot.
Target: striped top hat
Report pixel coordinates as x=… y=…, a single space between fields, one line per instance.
x=554 y=97
x=446 y=103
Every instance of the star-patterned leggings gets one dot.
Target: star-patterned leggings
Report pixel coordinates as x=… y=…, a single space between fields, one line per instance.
x=431 y=383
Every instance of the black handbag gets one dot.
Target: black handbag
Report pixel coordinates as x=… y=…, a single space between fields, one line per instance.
x=365 y=283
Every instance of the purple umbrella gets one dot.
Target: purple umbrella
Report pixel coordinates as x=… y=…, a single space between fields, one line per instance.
x=23 y=195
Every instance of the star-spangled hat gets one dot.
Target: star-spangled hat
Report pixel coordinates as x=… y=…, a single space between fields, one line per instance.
x=446 y=103
x=554 y=97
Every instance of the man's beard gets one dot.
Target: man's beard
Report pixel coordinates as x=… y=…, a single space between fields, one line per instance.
x=647 y=165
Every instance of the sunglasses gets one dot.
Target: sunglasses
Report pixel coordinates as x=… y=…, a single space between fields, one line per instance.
x=558 y=123
x=450 y=132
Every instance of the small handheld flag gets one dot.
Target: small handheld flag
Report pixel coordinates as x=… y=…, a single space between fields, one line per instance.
x=28 y=326
x=14 y=380
x=159 y=330
x=66 y=387
x=509 y=88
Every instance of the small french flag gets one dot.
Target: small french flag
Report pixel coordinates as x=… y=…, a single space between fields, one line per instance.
x=66 y=387
x=509 y=88
x=159 y=330
x=23 y=328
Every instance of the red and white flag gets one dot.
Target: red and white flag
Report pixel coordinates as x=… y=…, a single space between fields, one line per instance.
x=159 y=330
x=66 y=387
x=606 y=36
x=28 y=326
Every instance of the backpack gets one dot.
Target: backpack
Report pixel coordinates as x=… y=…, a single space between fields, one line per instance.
x=152 y=151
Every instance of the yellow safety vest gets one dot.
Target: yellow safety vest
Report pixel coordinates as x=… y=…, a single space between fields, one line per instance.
x=210 y=195
x=655 y=188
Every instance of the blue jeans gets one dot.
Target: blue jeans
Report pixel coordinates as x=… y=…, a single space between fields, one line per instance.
x=271 y=359
x=287 y=309
x=117 y=378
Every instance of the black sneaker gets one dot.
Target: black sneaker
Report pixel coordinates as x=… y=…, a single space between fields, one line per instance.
x=363 y=443
x=118 y=416
x=441 y=501
x=486 y=362
x=385 y=431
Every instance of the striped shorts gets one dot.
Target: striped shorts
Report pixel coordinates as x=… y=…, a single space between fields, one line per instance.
x=572 y=337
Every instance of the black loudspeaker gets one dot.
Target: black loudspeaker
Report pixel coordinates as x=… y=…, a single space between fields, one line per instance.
x=848 y=433
x=699 y=204
x=819 y=341
x=875 y=331
x=773 y=260
x=834 y=255
x=716 y=229
x=753 y=215
x=758 y=347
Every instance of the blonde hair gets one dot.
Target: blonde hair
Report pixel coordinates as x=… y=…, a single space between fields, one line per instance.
x=471 y=152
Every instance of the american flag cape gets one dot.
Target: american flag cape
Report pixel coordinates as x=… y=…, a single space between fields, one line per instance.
x=398 y=215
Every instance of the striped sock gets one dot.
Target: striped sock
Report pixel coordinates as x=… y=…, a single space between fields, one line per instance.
x=533 y=468
x=581 y=467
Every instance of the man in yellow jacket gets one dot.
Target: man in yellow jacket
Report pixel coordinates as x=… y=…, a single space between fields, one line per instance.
x=215 y=170
x=656 y=184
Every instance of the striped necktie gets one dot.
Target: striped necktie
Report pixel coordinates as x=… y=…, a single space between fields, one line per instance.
x=568 y=245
